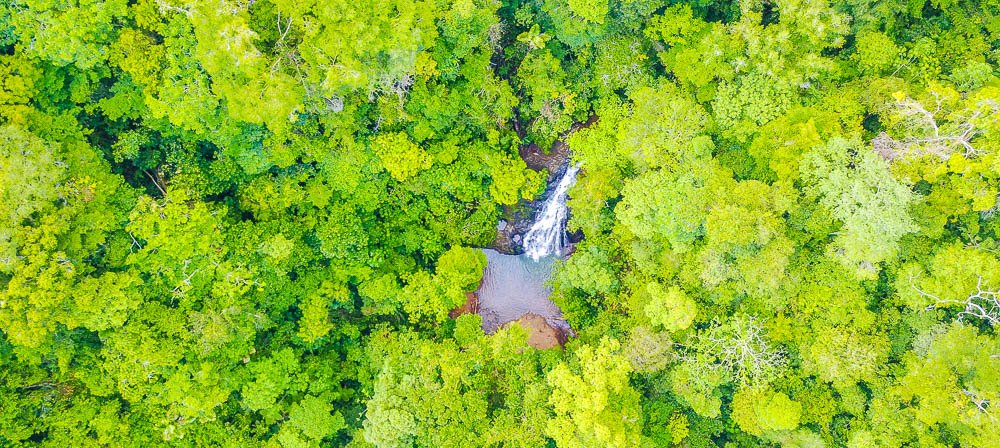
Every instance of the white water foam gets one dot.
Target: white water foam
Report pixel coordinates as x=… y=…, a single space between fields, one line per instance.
x=547 y=235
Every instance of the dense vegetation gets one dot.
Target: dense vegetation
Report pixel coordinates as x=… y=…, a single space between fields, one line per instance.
x=243 y=223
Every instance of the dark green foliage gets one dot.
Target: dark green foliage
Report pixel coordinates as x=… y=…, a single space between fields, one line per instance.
x=244 y=223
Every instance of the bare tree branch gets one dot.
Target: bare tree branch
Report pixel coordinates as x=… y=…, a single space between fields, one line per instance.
x=935 y=132
x=984 y=304
x=743 y=350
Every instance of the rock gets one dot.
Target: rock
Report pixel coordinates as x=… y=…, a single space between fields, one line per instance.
x=569 y=250
x=541 y=334
x=538 y=160
x=507 y=241
x=518 y=219
x=556 y=156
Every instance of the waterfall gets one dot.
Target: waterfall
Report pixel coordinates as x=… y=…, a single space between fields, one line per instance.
x=548 y=233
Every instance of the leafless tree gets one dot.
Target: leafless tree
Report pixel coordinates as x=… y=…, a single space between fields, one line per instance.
x=165 y=7
x=334 y=103
x=934 y=131
x=389 y=84
x=983 y=304
x=741 y=348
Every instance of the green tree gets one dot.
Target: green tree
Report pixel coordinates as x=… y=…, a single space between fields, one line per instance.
x=594 y=403
x=670 y=308
x=857 y=187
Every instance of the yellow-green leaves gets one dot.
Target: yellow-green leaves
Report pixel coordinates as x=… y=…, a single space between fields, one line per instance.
x=857 y=187
x=401 y=157
x=425 y=394
x=138 y=55
x=30 y=171
x=670 y=307
x=697 y=387
x=845 y=356
x=666 y=205
x=677 y=25
x=272 y=377
x=764 y=410
x=955 y=279
x=53 y=216
x=462 y=267
x=68 y=32
x=430 y=297
x=595 y=406
x=533 y=38
x=345 y=46
x=315 y=321
x=750 y=101
x=253 y=89
x=591 y=10
x=313 y=417
x=952 y=377
x=511 y=180
x=876 y=53
x=662 y=127
x=18 y=78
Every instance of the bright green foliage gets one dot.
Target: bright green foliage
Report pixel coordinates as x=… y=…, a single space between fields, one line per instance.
x=752 y=101
x=340 y=53
x=63 y=33
x=662 y=127
x=458 y=271
x=697 y=387
x=312 y=417
x=31 y=175
x=876 y=52
x=512 y=181
x=671 y=308
x=763 y=411
x=431 y=394
x=856 y=186
x=590 y=271
x=954 y=277
x=400 y=157
x=952 y=376
x=549 y=95
x=842 y=356
x=593 y=11
x=247 y=223
x=462 y=267
x=675 y=26
x=315 y=322
x=594 y=406
x=782 y=143
x=744 y=242
x=666 y=205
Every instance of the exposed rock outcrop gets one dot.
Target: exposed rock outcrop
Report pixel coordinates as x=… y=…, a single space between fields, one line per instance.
x=541 y=334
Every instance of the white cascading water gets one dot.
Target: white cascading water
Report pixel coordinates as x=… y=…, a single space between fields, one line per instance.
x=547 y=235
